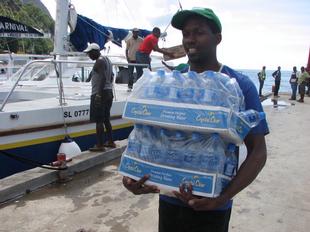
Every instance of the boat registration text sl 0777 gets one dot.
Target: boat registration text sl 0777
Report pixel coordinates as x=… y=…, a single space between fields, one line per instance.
x=76 y=113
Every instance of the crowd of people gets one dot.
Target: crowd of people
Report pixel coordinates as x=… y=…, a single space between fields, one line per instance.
x=298 y=80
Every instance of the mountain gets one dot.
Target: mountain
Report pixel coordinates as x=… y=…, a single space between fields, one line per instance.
x=38 y=4
x=31 y=13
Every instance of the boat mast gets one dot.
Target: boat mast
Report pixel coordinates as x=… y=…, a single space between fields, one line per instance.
x=61 y=26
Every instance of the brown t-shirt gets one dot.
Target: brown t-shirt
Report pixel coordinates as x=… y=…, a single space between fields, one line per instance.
x=132 y=47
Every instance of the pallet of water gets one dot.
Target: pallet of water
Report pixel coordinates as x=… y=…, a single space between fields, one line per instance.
x=186 y=130
x=209 y=102
x=174 y=157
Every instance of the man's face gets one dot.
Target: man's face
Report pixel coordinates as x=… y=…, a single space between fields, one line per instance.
x=93 y=54
x=135 y=34
x=157 y=34
x=199 y=41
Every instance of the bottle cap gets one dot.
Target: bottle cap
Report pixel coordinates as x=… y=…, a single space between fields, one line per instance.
x=262 y=115
x=231 y=147
x=160 y=72
x=196 y=136
x=192 y=75
x=210 y=74
x=215 y=135
x=179 y=135
x=163 y=132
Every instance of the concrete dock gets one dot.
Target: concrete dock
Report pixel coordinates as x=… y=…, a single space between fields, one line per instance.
x=95 y=200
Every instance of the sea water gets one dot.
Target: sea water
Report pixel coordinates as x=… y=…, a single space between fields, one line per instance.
x=269 y=82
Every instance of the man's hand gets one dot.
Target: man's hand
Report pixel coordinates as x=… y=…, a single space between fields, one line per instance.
x=198 y=203
x=139 y=187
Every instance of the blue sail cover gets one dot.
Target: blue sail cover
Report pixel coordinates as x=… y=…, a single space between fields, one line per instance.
x=88 y=31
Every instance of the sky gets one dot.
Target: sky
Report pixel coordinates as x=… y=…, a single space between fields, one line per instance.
x=255 y=32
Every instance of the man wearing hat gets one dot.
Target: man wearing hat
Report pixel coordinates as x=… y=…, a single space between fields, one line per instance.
x=101 y=96
x=202 y=32
x=132 y=46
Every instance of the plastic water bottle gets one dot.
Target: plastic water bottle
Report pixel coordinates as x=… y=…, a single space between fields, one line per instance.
x=187 y=93
x=168 y=90
x=159 y=156
x=175 y=151
x=213 y=157
x=146 y=143
x=161 y=91
x=156 y=149
x=154 y=84
x=220 y=184
x=252 y=117
x=234 y=96
x=175 y=82
x=209 y=91
x=134 y=141
x=192 y=149
x=231 y=161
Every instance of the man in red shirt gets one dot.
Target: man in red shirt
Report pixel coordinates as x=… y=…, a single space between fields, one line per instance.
x=149 y=44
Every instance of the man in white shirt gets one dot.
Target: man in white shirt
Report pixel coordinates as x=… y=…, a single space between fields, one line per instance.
x=132 y=46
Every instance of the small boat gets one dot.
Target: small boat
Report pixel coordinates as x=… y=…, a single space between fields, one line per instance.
x=48 y=99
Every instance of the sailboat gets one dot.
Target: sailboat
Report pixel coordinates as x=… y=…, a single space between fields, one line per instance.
x=48 y=99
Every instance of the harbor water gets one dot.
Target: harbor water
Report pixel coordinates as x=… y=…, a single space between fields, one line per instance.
x=285 y=77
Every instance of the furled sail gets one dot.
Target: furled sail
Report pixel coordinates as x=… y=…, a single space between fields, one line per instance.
x=87 y=30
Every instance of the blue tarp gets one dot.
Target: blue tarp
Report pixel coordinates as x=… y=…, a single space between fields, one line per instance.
x=88 y=31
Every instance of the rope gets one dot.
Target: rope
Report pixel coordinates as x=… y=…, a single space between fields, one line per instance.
x=31 y=162
x=62 y=96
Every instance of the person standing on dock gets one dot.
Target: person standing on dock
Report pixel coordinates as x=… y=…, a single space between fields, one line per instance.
x=101 y=96
x=181 y=210
x=277 y=81
x=261 y=78
x=293 y=83
x=303 y=78
x=132 y=46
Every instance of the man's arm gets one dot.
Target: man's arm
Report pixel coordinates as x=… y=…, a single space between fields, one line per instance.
x=163 y=51
x=274 y=74
x=255 y=161
x=126 y=52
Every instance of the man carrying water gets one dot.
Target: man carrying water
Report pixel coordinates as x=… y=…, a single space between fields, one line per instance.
x=183 y=212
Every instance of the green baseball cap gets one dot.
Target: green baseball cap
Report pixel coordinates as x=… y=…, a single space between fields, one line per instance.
x=180 y=17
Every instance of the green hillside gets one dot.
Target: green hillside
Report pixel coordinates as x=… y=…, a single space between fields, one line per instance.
x=30 y=15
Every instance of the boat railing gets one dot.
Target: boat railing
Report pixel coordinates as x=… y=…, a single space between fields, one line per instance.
x=59 y=72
